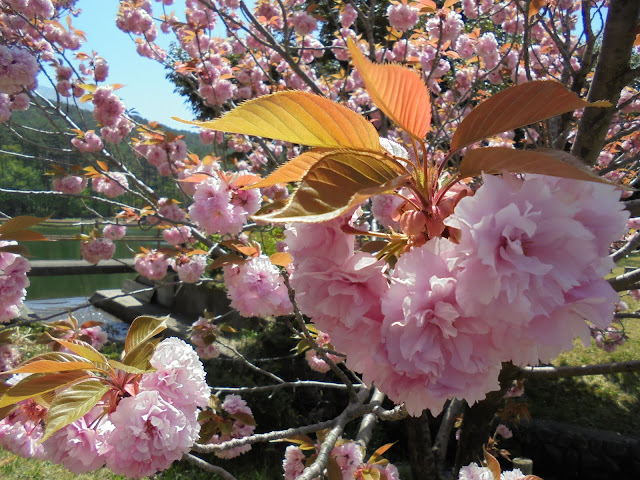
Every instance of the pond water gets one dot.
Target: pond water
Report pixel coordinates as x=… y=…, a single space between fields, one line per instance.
x=54 y=309
x=79 y=285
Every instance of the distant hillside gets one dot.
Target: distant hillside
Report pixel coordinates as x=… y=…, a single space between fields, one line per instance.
x=29 y=174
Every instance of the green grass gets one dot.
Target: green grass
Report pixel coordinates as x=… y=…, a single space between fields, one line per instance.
x=608 y=402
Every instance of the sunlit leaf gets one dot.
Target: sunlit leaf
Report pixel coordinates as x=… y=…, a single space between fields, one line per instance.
x=24 y=236
x=298 y=117
x=72 y=404
x=398 y=91
x=127 y=368
x=516 y=107
x=492 y=464
x=38 y=384
x=336 y=183
x=83 y=349
x=49 y=366
x=18 y=249
x=556 y=163
x=20 y=223
x=281 y=259
x=334 y=472
x=142 y=329
x=292 y=171
x=380 y=451
x=139 y=356
x=196 y=178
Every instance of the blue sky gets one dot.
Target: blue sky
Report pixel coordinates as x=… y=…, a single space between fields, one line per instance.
x=145 y=88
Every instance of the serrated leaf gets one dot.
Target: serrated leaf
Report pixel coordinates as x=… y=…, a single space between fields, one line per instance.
x=142 y=329
x=516 y=107
x=398 y=91
x=38 y=384
x=292 y=171
x=298 y=117
x=281 y=259
x=72 y=404
x=336 y=183
x=128 y=368
x=83 y=349
x=556 y=163
x=492 y=464
x=49 y=366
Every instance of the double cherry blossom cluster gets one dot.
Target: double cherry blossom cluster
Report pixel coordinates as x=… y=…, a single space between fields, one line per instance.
x=13 y=282
x=153 y=424
x=524 y=278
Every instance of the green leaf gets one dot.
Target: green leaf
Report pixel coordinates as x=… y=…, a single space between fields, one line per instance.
x=298 y=117
x=556 y=163
x=143 y=329
x=128 y=368
x=139 y=357
x=72 y=404
x=38 y=384
x=335 y=184
x=516 y=107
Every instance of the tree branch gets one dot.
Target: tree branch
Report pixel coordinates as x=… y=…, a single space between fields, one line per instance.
x=581 y=370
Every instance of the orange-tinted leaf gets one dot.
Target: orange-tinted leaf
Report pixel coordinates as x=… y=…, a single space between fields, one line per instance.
x=245 y=180
x=380 y=451
x=83 y=349
x=224 y=260
x=49 y=366
x=196 y=178
x=492 y=464
x=20 y=223
x=89 y=87
x=556 y=163
x=292 y=171
x=18 y=249
x=38 y=384
x=337 y=182
x=516 y=107
x=298 y=117
x=281 y=259
x=24 y=236
x=399 y=92
x=143 y=329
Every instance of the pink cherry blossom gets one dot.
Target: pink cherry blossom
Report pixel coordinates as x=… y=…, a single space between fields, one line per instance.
x=256 y=288
x=149 y=435
x=303 y=23
x=18 y=69
x=179 y=375
x=293 y=463
x=152 y=265
x=89 y=142
x=190 y=269
x=348 y=16
x=348 y=456
x=177 y=235
x=402 y=16
x=112 y=184
x=73 y=184
x=113 y=231
x=13 y=284
x=97 y=249
x=10 y=356
x=95 y=335
x=80 y=446
x=203 y=335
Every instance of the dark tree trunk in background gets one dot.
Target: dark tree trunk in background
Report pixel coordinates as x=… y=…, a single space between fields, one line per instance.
x=612 y=73
x=421 y=457
x=476 y=424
